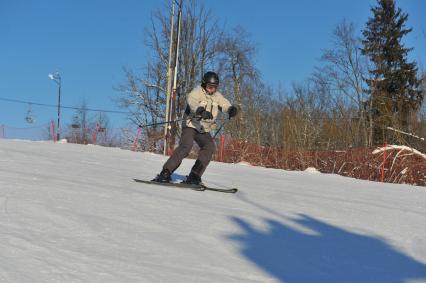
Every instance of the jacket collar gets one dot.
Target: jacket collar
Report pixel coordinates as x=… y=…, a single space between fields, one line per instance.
x=206 y=93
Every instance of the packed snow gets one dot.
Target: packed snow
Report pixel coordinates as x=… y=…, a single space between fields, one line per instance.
x=71 y=213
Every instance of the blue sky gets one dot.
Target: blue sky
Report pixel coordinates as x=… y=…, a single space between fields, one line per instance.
x=89 y=41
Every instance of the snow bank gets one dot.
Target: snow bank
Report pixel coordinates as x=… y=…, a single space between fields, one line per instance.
x=244 y=163
x=400 y=147
x=312 y=170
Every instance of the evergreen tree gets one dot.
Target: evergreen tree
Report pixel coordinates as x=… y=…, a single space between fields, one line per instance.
x=394 y=86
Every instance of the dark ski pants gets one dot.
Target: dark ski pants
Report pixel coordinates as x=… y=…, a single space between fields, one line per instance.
x=204 y=141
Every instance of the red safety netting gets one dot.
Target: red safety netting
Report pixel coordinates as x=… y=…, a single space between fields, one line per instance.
x=402 y=165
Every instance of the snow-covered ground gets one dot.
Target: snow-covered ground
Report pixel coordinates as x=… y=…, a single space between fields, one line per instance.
x=71 y=213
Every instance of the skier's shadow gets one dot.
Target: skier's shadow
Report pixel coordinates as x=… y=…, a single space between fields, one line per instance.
x=325 y=253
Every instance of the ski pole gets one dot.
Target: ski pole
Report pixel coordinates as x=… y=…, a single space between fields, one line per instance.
x=160 y=123
x=221 y=126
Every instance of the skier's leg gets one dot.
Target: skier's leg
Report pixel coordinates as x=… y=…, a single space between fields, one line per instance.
x=206 y=144
x=182 y=151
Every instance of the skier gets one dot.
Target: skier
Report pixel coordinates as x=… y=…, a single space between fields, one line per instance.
x=203 y=105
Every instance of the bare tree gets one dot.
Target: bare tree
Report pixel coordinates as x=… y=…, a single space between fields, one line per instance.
x=47 y=132
x=344 y=76
x=144 y=95
x=102 y=131
x=239 y=73
x=201 y=35
x=79 y=129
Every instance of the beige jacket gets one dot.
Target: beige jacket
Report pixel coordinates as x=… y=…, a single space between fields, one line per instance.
x=212 y=103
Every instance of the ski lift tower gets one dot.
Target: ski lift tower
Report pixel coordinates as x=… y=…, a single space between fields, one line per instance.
x=57 y=79
x=172 y=78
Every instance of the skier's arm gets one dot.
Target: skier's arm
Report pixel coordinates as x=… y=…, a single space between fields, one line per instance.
x=226 y=106
x=224 y=103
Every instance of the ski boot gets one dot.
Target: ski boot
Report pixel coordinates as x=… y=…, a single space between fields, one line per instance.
x=165 y=176
x=193 y=179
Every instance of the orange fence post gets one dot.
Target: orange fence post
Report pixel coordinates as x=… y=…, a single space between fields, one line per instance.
x=221 y=147
x=136 y=139
x=95 y=133
x=383 y=164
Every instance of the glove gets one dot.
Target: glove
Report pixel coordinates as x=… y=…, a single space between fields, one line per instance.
x=206 y=115
x=232 y=111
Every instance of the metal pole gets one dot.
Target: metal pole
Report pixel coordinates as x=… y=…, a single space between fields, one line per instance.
x=58 y=136
x=169 y=79
x=176 y=61
x=177 y=46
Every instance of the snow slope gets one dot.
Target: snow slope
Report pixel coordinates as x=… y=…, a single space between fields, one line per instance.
x=71 y=213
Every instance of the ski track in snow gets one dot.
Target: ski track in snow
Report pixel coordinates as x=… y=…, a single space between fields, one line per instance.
x=71 y=213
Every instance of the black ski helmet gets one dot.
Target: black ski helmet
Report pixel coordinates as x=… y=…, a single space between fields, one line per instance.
x=210 y=78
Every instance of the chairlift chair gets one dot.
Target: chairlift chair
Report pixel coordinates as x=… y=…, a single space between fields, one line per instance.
x=29 y=117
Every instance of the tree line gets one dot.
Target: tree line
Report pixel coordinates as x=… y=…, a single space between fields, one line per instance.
x=364 y=91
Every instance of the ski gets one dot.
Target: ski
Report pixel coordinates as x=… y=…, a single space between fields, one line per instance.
x=188 y=186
